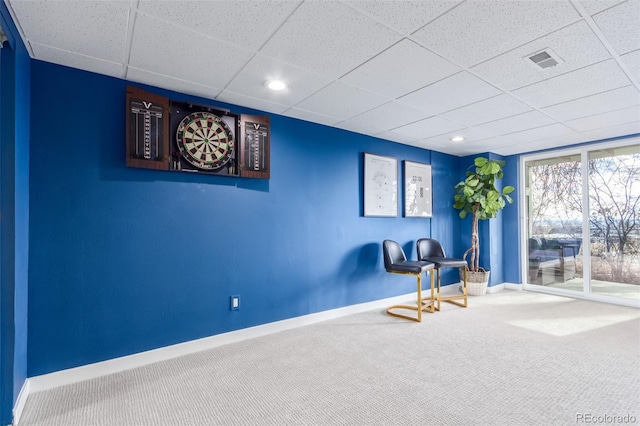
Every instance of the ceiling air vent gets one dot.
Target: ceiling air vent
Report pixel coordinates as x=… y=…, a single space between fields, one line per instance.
x=546 y=58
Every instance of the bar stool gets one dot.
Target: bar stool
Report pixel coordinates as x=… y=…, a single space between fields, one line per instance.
x=431 y=250
x=396 y=262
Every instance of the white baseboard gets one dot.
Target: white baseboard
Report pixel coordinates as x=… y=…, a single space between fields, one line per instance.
x=505 y=286
x=20 y=402
x=513 y=286
x=495 y=288
x=90 y=371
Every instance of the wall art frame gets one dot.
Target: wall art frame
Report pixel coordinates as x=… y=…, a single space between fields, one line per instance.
x=380 y=185
x=418 y=193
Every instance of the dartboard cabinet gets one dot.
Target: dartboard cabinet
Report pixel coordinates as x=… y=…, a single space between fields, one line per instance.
x=180 y=136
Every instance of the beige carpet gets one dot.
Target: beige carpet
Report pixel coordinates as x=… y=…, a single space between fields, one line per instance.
x=511 y=358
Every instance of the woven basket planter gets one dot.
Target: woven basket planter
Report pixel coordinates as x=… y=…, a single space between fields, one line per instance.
x=477 y=282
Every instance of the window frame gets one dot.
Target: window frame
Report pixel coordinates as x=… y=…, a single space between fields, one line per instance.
x=583 y=151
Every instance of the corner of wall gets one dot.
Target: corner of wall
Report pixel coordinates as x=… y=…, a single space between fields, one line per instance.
x=15 y=76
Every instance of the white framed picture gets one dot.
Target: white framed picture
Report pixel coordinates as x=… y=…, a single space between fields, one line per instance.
x=380 y=185
x=418 y=197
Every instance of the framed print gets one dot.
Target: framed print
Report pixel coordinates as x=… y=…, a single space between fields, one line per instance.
x=417 y=190
x=380 y=186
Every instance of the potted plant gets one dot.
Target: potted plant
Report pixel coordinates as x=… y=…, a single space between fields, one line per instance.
x=478 y=195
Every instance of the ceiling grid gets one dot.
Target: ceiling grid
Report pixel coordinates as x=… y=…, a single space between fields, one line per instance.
x=413 y=72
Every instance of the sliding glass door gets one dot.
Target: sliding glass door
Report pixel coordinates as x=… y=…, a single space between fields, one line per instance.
x=614 y=221
x=582 y=216
x=554 y=238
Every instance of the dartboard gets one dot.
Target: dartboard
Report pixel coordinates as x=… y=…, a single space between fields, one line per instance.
x=205 y=140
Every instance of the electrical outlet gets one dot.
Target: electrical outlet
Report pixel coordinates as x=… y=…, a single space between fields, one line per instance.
x=234 y=304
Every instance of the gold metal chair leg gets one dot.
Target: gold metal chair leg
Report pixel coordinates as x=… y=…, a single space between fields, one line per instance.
x=439 y=295
x=428 y=303
x=422 y=306
x=454 y=300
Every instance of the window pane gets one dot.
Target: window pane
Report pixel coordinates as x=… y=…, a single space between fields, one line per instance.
x=554 y=208
x=614 y=221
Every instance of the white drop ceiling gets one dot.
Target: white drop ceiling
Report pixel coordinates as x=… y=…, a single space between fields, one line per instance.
x=413 y=72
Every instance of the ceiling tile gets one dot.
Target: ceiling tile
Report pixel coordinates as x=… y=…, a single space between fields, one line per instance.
x=248 y=101
x=595 y=6
x=485 y=145
x=438 y=146
x=595 y=78
x=358 y=128
x=491 y=109
x=490 y=144
x=245 y=23
x=576 y=45
x=301 y=114
x=539 y=133
x=621 y=26
x=341 y=100
x=181 y=86
x=424 y=129
x=607 y=101
x=403 y=16
x=300 y=83
x=459 y=151
x=395 y=137
x=74 y=60
x=162 y=48
x=451 y=93
x=632 y=61
x=382 y=74
x=341 y=38
x=516 y=123
x=478 y=30
x=99 y=28
x=614 y=131
x=608 y=119
x=556 y=141
x=470 y=136
x=513 y=149
x=388 y=116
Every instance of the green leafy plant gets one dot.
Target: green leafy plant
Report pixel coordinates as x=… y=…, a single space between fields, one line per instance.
x=478 y=195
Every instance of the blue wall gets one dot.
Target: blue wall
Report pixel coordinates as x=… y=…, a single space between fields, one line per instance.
x=447 y=226
x=494 y=242
x=125 y=260
x=511 y=224
x=14 y=211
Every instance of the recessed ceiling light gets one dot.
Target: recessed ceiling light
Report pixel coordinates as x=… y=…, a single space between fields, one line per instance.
x=457 y=139
x=275 y=85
